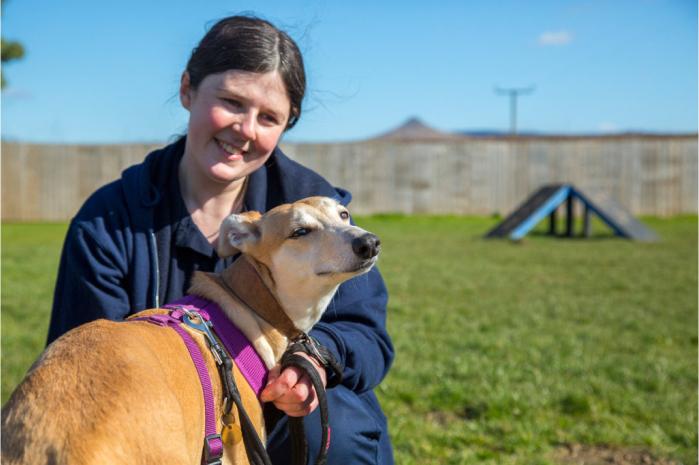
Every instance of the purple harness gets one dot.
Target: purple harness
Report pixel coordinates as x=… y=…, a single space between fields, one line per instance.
x=239 y=348
x=236 y=344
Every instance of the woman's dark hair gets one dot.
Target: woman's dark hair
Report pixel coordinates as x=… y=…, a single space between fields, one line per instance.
x=251 y=44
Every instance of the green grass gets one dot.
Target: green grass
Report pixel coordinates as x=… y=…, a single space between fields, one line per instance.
x=30 y=255
x=504 y=351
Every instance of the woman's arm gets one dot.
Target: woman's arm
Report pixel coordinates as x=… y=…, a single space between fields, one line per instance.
x=90 y=283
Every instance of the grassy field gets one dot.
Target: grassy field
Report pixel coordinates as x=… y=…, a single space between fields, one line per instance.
x=505 y=352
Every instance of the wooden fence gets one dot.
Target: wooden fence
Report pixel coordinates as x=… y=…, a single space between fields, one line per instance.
x=650 y=175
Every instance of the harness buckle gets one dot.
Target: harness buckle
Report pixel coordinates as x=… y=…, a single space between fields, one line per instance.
x=213 y=449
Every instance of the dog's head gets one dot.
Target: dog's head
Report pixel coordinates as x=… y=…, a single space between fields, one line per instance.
x=308 y=248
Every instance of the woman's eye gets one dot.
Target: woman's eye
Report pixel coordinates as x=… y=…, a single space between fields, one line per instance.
x=270 y=119
x=344 y=215
x=232 y=102
x=298 y=232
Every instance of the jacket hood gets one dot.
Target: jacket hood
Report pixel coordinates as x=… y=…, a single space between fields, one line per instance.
x=145 y=184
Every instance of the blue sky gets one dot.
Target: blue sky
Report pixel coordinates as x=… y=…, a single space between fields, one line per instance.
x=108 y=72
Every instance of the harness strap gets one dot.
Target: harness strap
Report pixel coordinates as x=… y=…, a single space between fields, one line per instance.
x=256 y=452
x=213 y=445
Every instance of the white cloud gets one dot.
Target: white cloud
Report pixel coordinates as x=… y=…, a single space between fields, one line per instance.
x=555 y=38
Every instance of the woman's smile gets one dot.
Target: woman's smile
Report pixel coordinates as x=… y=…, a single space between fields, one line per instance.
x=231 y=152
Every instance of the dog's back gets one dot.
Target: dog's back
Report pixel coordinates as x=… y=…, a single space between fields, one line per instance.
x=95 y=387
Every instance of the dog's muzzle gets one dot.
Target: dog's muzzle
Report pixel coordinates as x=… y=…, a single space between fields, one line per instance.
x=366 y=246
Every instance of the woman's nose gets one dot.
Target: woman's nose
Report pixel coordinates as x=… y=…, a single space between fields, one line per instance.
x=247 y=127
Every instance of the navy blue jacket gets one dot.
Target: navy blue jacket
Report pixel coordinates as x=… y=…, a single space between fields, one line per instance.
x=113 y=253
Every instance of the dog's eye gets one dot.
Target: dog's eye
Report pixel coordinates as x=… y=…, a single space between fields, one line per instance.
x=298 y=232
x=344 y=214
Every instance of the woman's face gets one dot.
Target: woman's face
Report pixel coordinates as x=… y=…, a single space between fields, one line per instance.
x=235 y=120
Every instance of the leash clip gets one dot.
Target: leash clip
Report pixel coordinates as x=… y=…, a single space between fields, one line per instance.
x=190 y=319
x=195 y=320
x=310 y=347
x=314 y=348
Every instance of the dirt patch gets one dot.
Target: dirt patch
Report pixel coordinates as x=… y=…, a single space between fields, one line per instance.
x=469 y=412
x=441 y=418
x=579 y=454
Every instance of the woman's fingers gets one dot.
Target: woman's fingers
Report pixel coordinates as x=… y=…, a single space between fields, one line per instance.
x=291 y=391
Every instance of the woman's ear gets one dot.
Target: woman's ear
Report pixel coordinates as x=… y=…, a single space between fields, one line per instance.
x=238 y=233
x=185 y=91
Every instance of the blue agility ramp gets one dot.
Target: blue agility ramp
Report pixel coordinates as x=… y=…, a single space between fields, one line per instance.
x=545 y=202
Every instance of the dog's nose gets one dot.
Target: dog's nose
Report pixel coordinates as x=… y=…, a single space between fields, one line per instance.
x=366 y=246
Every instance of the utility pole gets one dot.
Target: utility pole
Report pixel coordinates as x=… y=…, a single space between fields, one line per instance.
x=514 y=93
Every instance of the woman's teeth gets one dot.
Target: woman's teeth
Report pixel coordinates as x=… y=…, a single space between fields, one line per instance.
x=229 y=148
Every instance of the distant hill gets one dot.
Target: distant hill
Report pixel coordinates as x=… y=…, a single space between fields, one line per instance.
x=416 y=129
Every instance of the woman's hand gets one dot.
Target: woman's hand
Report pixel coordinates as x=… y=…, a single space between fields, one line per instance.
x=291 y=391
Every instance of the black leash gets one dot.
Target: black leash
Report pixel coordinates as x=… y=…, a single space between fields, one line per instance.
x=256 y=451
x=311 y=347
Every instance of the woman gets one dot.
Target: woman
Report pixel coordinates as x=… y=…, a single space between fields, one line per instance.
x=136 y=242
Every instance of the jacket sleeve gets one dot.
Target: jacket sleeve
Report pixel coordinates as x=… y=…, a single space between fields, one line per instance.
x=354 y=329
x=90 y=279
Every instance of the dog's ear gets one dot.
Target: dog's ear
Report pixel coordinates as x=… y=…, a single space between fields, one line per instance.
x=238 y=232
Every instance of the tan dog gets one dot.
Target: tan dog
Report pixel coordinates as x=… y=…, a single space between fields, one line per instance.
x=127 y=393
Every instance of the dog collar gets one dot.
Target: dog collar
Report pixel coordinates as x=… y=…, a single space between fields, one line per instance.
x=246 y=285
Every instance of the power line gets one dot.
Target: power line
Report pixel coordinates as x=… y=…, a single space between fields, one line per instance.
x=513 y=93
